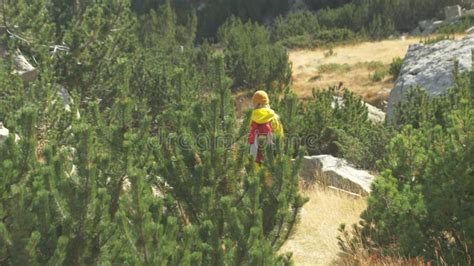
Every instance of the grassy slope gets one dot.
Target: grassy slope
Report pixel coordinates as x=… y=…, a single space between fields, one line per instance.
x=355 y=76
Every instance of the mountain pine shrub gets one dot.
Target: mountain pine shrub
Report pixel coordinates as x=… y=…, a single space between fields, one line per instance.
x=396 y=67
x=339 y=126
x=251 y=59
x=421 y=205
x=149 y=165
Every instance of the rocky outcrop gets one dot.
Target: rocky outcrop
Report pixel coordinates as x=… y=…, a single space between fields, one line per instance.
x=431 y=67
x=335 y=172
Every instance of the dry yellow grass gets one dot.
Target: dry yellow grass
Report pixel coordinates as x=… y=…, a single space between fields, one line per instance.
x=314 y=241
x=306 y=64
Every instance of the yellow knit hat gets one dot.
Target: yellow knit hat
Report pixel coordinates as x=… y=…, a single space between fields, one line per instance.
x=260 y=97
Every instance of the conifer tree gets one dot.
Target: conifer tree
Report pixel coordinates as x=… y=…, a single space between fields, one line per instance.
x=422 y=203
x=97 y=184
x=241 y=220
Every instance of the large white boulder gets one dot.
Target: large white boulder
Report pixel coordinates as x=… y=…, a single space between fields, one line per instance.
x=431 y=67
x=335 y=172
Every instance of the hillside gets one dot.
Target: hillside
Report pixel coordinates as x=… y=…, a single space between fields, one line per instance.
x=314 y=241
x=351 y=64
x=121 y=143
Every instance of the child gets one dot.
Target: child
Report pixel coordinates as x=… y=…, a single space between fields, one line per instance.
x=265 y=125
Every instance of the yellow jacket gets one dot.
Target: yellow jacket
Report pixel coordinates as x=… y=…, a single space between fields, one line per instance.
x=265 y=115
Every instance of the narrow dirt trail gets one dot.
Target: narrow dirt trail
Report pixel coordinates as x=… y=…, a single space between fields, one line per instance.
x=314 y=242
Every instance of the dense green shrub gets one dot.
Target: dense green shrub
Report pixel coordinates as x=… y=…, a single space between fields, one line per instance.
x=295 y=24
x=335 y=36
x=322 y=38
x=396 y=67
x=214 y=13
x=377 y=76
x=422 y=203
x=340 y=126
x=137 y=170
x=320 y=4
x=382 y=18
x=251 y=59
x=375 y=19
x=456 y=27
x=300 y=42
x=435 y=39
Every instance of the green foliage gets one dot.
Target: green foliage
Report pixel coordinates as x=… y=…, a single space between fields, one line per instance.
x=250 y=58
x=321 y=4
x=456 y=27
x=329 y=53
x=342 y=68
x=215 y=12
x=295 y=24
x=431 y=40
x=334 y=68
x=381 y=18
x=372 y=65
x=121 y=175
x=322 y=38
x=377 y=76
x=421 y=205
x=340 y=127
x=366 y=18
x=335 y=36
x=396 y=67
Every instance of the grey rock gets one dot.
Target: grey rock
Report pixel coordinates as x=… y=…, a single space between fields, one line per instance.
x=335 y=172
x=23 y=68
x=431 y=67
x=375 y=114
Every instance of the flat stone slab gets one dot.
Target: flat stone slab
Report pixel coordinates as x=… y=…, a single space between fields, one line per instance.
x=335 y=172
